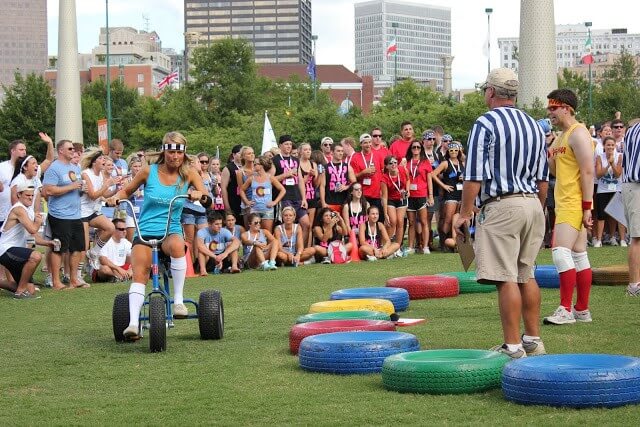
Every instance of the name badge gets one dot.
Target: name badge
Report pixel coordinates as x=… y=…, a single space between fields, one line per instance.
x=413 y=187
x=267 y=191
x=218 y=200
x=290 y=181
x=459 y=187
x=136 y=209
x=611 y=187
x=366 y=181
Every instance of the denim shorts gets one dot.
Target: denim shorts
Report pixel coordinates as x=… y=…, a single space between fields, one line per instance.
x=268 y=214
x=191 y=217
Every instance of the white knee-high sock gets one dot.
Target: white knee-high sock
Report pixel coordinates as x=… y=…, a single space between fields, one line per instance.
x=136 y=300
x=179 y=273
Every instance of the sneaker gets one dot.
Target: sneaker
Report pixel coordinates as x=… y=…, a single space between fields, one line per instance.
x=633 y=291
x=131 y=333
x=272 y=265
x=25 y=295
x=561 y=316
x=534 y=348
x=581 y=316
x=518 y=354
x=623 y=243
x=48 y=282
x=371 y=258
x=597 y=243
x=391 y=256
x=65 y=279
x=265 y=266
x=180 y=311
x=426 y=250
x=326 y=260
x=410 y=251
x=310 y=261
x=399 y=253
x=613 y=241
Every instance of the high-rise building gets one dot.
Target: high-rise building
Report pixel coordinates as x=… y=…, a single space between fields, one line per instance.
x=23 y=39
x=422 y=35
x=570 y=45
x=280 y=30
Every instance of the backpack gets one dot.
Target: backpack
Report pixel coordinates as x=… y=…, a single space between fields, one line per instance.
x=338 y=252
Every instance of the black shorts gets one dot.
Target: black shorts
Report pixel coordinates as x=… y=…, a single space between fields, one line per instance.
x=602 y=200
x=211 y=264
x=70 y=232
x=417 y=203
x=402 y=203
x=92 y=216
x=14 y=260
x=313 y=204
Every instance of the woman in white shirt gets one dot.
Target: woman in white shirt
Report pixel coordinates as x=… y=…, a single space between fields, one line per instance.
x=608 y=173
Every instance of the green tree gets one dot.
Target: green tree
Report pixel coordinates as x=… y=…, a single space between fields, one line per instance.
x=224 y=78
x=618 y=91
x=29 y=107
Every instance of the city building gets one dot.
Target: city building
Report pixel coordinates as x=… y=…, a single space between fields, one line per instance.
x=345 y=87
x=602 y=63
x=23 y=39
x=279 y=30
x=570 y=45
x=422 y=37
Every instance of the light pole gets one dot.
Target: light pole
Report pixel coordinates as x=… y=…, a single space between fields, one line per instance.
x=315 y=74
x=488 y=11
x=394 y=25
x=588 y=25
x=108 y=82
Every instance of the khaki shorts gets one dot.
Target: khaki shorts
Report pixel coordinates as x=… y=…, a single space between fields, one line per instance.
x=631 y=201
x=509 y=233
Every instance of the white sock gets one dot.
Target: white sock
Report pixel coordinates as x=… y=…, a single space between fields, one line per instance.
x=529 y=338
x=136 y=300
x=634 y=285
x=514 y=347
x=179 y=273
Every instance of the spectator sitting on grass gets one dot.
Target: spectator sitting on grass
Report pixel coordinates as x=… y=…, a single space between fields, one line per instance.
x=289 y=234
x=114 y=260
x=258 y=245
x=217 y=247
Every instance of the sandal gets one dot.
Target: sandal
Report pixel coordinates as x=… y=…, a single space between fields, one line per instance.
x=25 y=295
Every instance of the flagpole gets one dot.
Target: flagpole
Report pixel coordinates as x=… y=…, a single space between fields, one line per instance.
x=315 y=86
x=488 y=11
x=394 y=25
x=108 y=76
x=588 y=25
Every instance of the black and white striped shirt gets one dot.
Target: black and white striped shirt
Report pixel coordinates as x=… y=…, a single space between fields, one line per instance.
x=631 y=155
x=507 y=153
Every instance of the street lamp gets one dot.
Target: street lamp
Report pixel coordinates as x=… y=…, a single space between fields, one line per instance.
x=588 y=25
x=488 y=11
x=108 y=76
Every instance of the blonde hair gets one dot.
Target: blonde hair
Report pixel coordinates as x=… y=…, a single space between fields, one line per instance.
x=90 y=156
x=242 y=151
x=289 y=208
x=176 y=138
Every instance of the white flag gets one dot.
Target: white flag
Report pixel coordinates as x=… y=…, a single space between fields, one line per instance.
x=268 y=137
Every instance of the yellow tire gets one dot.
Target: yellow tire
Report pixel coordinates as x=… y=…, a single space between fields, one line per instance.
x=373 y=304
x=614 y=275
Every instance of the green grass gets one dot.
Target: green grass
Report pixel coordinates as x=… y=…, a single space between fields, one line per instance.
x=61 y=366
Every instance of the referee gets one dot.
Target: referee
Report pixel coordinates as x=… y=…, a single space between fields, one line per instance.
x=507 y=167
x=631 y=200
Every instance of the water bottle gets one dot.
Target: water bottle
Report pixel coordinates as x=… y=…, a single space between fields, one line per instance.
x=216 y=270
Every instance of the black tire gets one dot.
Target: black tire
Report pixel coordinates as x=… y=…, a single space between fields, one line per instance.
x=120 y=316
x=157 y=324
x=211 y=315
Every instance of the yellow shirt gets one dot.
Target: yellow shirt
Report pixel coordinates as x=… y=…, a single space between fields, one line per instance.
x=568 y=192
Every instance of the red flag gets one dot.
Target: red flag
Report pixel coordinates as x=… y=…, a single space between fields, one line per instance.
x=171 y=78
x=392 y=48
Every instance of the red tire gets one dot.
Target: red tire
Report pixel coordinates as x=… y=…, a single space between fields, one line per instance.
x=302 y=330
x=422 y=287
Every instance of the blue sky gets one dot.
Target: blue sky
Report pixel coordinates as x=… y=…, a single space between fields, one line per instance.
x=333 y=23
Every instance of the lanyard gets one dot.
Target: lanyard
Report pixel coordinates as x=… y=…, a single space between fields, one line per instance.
x=414 y=172
x=372 y=236
x=457 y=171
x=353 y=213
x=288 y=163
x=394 y=184
x=369 y=163
x=289 y=241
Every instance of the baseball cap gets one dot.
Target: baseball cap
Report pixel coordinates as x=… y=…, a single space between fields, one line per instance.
x=502 y=78
x=326 y=139
x=365 y=137
x=24 y=187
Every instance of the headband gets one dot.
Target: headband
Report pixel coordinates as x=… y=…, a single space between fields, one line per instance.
x=556 y=103
x=24 y=162
x=173 y=146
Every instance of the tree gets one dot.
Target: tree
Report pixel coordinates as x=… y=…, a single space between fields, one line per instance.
x=619 y=90
x=29 y=107
x=224 y=78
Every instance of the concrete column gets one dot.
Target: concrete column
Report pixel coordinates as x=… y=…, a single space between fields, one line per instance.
x=537 y=71
x=446 y=84
x=68 y=107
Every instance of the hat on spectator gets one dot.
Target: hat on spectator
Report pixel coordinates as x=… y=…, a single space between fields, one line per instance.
x=447 y=138
x=236 y=148
x=284 y=138
x=428 y=135
x=502 y=78
x=24 y=187
x=327 y=140
x=365 y=137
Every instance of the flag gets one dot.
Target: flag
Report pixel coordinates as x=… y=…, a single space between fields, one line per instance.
x=587 y=58
x=268 y=137
x=218 y=152
x=392 y=48
x=311 y=67
x=173 y=77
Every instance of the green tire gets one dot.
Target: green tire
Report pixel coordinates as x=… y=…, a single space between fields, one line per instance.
x=448 y=371
x=468 y=284
x=343 y=315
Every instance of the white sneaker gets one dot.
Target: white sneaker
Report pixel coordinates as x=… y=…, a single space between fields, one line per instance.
x=623 y=243
x=310 y=261
x=426 y=250
x=180 y=311
x=613 y=241
x=534 y=348
x=581 y=316
x=399 y=253
x=561 y=316
x=596 y=243
x=326 y=260
x=410 y=251
x=633 y=291
x=371 y=258
x=131 y=333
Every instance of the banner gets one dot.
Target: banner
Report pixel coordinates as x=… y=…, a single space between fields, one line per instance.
x=103 y=136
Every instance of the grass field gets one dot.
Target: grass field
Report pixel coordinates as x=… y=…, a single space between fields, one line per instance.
x=61 y=366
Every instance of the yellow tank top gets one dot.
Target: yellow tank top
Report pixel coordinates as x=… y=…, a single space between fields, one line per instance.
x=568 y=192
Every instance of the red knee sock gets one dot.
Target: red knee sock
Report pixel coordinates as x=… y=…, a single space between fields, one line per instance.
x=583 y=278
x=567 y=283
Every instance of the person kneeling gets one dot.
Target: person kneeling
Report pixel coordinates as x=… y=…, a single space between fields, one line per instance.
x=114 y=259
x=217 y=247
x=374 y=239
x=19 y=260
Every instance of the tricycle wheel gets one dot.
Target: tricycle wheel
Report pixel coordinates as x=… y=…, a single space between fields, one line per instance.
x=211 y=315
x=120 y=316
x=157 y=324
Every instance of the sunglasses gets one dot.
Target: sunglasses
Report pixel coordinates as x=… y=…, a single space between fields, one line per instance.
x=326 y=145
x=255 y=223
x=617 y=127
x=393 y=163
x=204 y=162
x=376 y=136
x=454 y=150
x=121 y=229
x=429 y=139
x=416 y=147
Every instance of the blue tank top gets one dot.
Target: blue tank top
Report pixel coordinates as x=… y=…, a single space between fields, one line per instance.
x=260 y=238
x=261 y=195
x=289 y=244
x=155 y=207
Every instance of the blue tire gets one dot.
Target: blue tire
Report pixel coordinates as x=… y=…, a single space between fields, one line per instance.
x=547 y=276
x=353 y=352
x=398 y=297
x=573 y=380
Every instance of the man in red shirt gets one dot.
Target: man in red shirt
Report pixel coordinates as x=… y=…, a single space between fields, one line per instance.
x=399 y=148
x=378 y=145
x=368 y=169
